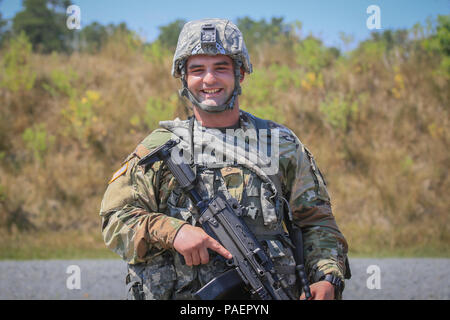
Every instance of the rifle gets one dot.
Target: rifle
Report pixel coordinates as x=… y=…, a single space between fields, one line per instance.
x=250 y=266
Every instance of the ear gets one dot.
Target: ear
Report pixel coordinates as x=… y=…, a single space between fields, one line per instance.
x=242 y=75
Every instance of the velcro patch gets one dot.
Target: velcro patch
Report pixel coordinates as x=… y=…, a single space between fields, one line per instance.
x=119 y=172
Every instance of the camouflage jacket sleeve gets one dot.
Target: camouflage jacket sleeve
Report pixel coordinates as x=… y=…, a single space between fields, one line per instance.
x=133 y=221
x=325 y=248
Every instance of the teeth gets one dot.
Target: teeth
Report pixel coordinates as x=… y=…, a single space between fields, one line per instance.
x=211 y=91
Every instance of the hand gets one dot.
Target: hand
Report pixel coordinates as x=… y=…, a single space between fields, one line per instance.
x=193 y=243
x=322 y=290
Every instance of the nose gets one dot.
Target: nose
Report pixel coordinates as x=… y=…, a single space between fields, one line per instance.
x=209 y=77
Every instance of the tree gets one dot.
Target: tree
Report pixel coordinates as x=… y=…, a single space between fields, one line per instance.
x=258 y=32
x=44 y=23
x=314 y=55
x=168 y=35
x=391 y=38
x=3 y=32
x=93 y=36
x=443 y=33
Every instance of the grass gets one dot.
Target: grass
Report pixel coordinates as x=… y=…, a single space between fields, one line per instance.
x=75 y=245
x=436 y=251
x=54 y=245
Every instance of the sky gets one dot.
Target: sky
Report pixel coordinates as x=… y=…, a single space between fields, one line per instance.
x=325 y=19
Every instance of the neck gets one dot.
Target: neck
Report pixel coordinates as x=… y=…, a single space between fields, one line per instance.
x=222 y=119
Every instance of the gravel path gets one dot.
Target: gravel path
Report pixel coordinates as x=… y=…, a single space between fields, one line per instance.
x=104 y=279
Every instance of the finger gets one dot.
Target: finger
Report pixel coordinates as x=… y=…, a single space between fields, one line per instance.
x=217 y=247
x=195 y=258
x=319 y=296
x=204 y=255
x=303 y=296
x=188 y=259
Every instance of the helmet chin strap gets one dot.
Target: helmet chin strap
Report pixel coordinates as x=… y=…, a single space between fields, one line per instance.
x=213 y=109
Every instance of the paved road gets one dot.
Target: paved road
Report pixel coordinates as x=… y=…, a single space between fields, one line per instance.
x=104 y=279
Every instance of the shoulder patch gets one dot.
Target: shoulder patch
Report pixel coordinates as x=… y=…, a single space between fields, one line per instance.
x=119 y=172
x=141 y=151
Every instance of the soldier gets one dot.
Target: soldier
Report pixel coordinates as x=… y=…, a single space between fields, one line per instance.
x=148 y=220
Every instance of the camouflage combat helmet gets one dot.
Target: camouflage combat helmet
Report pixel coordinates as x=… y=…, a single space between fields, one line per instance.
x=211 y=37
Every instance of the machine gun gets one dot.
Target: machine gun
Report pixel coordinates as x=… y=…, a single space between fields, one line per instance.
x=250 y=266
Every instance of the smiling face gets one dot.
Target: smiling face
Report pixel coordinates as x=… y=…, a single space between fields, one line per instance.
x=210 y=78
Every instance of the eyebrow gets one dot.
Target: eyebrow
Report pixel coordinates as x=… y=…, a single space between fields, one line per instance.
x=220 y=63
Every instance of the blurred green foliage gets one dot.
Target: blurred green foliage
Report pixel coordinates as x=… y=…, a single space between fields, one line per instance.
x=439 y=43
x=62 y=82
x=339 y=111
x=2 y=193
x=81 y=116
x=285 y=77
x=123 y=35
x=168 y=34
x=44 y=22
x=158 y=109
x=313 y=55
x=3 y=31
x=258 y=32
x=17 y=72
x=93 y=37
x=38 y=141
x=156 y=51
x=259 y=99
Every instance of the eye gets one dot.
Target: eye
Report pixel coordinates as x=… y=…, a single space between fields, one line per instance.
x=196 y=71
x=222 y=69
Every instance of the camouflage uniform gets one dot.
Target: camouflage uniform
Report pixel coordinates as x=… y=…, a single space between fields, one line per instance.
x=142 y=213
